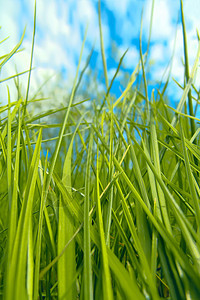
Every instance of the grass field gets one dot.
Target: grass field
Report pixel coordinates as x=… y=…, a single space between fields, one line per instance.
x=109 y=208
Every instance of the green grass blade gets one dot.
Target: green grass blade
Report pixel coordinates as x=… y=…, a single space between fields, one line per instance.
x=102 y=46
x=111 y=172
x=143 y=69
x=129 y=287
x=31 y=60
x=187 y=72
x=9 y=152
x=8 y=56
x=156 y=159
x=13 y=76
x=13 y=114
x=142 y=225
x=190 y=179
x=66 y=265
x=14 y=205
x=30 y=262
x=88 y=289
x=39 y=237
x=17 y=270
x=143 y=258
x=107 y=285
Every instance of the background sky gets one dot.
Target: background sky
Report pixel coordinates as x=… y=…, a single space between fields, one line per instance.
x=60 y=29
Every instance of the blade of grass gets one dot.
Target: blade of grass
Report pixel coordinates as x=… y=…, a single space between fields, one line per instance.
x=56 y=259
x=142 y=225
x=129 y=287
x=111 y=172
x=156 y=159
x=30 y=261
x=66 y=265
x=39 y=237
x=17 y=269
x=187 y=72
x=190 y=179
x=88 y=288
x=107 y=285
x=143 y=258
x=9 y=152
x=31 y=61
x=14 y=203
x=102 y=46
x=13 y=76
x=8 y=56
x=143 y=69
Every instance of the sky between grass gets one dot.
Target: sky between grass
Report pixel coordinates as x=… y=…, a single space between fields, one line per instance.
x=61 y=25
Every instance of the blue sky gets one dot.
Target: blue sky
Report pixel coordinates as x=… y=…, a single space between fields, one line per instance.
x=60 y=29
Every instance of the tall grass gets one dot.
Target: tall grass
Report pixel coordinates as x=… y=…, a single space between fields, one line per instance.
x=113 y=212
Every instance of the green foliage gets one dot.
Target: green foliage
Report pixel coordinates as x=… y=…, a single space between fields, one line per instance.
x=109 y=207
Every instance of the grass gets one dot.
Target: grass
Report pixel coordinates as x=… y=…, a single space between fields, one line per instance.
x=109 y=208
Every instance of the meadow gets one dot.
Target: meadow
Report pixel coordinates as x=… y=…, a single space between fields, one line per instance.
x=109 y=207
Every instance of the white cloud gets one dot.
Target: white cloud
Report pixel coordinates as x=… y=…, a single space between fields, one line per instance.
x=131 y=57
x=127 y=15
x=191 y=11
x=120 y=8
x=158 y=53
x=86 y=12
x=111 y=73
x=163 y=27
